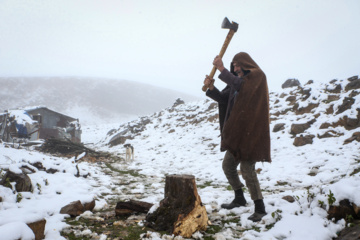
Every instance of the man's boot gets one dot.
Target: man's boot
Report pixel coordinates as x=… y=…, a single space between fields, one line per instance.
x=239 y=200
x=259 y=211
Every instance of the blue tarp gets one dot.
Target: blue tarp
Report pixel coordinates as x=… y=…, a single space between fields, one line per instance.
x=22 y=131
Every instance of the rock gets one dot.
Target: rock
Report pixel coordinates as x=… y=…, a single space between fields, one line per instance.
x=330 y=109
x=350 y=233
x=354 y=93
x=73 y=209
x=337 y=89
x=289 y=198
x=178 y=102
x=290 y=83
x=111 y=132
x=332 y=97
x=51 y=170
x=357 y=210
x=306 y=93
x=118 y=139
x=303 y=140
x=22 y=181
x=355 y=84
x=212 y=106
x=38 y=228
x=291 y=99
x=325 y=125
x=352 y=122
x=347 y=103
x=342 y=211
x=89 y=206
x=355 y=136
x=309 y=82
x=307 y=109
x=282 y=95
x=279 y=127
x=330 y=133
x=297 y=128
x=353 y=78
x=39 y=166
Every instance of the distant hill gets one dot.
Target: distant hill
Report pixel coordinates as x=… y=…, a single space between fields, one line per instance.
x=89 y=99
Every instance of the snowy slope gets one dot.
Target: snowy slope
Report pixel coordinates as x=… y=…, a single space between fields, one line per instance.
x=185 y=140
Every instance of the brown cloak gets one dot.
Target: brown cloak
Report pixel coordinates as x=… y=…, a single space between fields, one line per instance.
x=246 y=133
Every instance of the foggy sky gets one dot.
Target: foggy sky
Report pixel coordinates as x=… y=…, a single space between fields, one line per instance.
x=172 y=43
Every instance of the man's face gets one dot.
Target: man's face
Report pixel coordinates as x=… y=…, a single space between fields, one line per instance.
x=238 y=70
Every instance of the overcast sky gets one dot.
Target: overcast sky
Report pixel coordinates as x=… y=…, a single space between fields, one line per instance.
x=172 y=43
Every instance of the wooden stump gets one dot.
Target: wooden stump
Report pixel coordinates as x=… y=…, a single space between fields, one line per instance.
x=181 y=212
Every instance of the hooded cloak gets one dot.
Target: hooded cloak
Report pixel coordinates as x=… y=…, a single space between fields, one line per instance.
x=246 y=131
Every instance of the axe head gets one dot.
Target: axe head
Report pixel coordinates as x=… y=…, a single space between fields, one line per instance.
x=228 y=25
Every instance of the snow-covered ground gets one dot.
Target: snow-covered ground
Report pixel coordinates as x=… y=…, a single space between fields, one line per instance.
x=185 y=140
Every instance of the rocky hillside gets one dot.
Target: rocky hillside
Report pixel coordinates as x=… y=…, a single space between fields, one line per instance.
x=315 y=142
x=299 y=112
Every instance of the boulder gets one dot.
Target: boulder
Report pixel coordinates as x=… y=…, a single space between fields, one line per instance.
x=309 y=82
x=38 y=228
x=212 y=106
x=349 y=233
x=279 y=127
x=330 y=133
x=291 y=99
x=355 y=136
x=297 y=128
x=22 y=181
x=73 y=209
x=353 y=78
x=355 y=84
x=290 y=83
x=289 y=198
x=332 y=97
x=346 y=104
x=303 y=140
x=39 y=166
x=178 y=102
x=89 y=206
x=118 y=139
x=307 y=109
x=306 y=93
x=336 y=89
x=357 y=210
x=342 y=211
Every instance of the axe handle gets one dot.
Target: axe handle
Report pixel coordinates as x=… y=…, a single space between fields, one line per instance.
x=221 y=54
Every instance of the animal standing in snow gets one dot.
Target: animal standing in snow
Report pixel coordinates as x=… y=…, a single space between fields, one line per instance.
x=129 y=152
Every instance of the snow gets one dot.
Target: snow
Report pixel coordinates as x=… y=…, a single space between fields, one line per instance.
x=16 y=230
x=182 y=140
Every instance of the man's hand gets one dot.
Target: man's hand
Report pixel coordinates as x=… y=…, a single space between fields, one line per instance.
x=218 y=63
x=209 y=82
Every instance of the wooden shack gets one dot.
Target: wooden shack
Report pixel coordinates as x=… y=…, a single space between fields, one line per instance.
x=38 y=123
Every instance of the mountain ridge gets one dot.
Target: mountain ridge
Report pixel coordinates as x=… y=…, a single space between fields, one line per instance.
x=89 y=99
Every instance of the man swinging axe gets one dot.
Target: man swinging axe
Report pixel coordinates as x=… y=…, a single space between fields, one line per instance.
x=244 y=123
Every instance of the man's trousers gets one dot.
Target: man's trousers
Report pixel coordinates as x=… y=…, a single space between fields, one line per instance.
x=248 y=173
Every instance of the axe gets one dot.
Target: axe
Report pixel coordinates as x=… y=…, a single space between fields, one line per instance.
x=233 y=27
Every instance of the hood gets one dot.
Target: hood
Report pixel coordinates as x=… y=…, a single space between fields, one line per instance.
x=245 y=61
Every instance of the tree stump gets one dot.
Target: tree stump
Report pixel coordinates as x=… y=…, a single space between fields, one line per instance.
x=181 y=212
